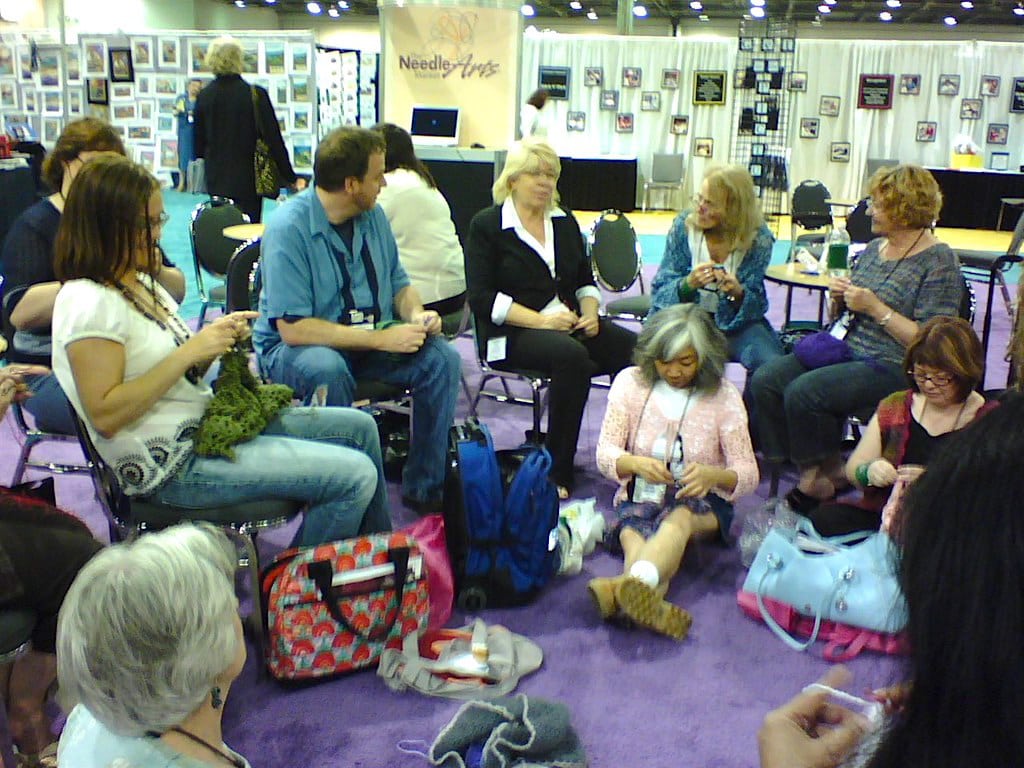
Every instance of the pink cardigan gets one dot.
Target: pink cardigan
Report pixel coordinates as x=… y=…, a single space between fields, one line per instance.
x=714 y=431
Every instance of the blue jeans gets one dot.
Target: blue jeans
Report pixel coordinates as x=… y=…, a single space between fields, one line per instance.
x=802 y=412
x=754 y=345
x=326 y=457
x=432 y=373
x=49 y=405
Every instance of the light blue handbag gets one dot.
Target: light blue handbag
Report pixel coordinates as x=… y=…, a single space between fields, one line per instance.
x=828 y=580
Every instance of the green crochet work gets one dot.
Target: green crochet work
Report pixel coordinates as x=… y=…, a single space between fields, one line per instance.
x=240 y=409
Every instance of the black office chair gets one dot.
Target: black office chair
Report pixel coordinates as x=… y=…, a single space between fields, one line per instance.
x=810 y=211
x=16 y=627
x=858 y=223
x=129 y=517
x=617 y=263
x=211 y=250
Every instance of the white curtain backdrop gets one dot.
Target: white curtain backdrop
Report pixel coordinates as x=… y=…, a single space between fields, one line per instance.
x=833 y=69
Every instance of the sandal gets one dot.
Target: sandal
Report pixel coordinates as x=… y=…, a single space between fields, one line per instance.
x=644 y=606
x=563 y=492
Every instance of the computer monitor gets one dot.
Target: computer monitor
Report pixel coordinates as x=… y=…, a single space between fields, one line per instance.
x=437 y=126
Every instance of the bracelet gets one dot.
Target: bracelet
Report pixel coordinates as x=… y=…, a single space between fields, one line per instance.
x=861 y=474
x=885 y=319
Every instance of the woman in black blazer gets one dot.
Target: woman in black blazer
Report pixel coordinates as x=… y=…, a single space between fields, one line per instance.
x=534 y=299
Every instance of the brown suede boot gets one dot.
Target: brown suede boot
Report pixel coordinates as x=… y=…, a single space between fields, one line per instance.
x=603 y=590
x=647 y=608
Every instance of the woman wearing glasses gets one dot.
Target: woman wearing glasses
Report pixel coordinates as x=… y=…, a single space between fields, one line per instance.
x=903 y=278
x=133 y=371
x=944 y=365
x=715 y=257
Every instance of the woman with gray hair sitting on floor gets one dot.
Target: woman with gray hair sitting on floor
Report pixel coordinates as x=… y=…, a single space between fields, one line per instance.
x=148 y=644
x=673 y=421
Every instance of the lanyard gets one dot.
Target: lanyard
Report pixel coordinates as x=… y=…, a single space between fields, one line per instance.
x=678 y=441
x=347 y=297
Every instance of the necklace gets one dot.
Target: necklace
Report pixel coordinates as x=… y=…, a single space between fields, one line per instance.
x=913 y=245
x=235 y=761
x=956 y=421
x=174 y=324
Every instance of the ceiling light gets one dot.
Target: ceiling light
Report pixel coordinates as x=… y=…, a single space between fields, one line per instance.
x=757 y=13
x=240 y=3
x=830 y=2
x=824 y=9
x=885 y=16
x=893 y=3
x=1019 y=9
x=757 y=3
x=592 y=14
x=949 y=21
x=527 y=10
x=343 y=4
x=966 y=4
x=269 y=2
x=640 y=10
x=333 y=12
x=314 y=8
x=696 y=5
x=703 y=17
x=576 y=5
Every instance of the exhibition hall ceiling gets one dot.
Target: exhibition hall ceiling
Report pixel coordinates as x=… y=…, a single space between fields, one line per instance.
x=1001 y=13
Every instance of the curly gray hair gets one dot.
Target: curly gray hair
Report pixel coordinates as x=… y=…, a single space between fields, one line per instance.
x=674 y=329
x=148 y=627
x=224 y=56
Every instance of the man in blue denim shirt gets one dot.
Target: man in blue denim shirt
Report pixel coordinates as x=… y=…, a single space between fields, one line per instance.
x=337 y=305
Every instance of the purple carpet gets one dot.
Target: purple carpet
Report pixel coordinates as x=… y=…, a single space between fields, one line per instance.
x=637 y=699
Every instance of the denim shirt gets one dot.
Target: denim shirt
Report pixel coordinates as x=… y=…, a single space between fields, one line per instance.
x=677 y=263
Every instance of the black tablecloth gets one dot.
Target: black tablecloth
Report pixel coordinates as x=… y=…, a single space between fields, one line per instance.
x=970 y=199
x=17 y=192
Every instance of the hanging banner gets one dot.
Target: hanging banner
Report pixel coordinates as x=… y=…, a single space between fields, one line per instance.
x=455 y=56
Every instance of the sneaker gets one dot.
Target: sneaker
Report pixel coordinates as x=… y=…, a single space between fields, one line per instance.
x=648 y=609
x=570 y=551
x=585 y=522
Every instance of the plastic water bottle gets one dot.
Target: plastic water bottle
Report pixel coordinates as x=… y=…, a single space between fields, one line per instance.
x=838 y=252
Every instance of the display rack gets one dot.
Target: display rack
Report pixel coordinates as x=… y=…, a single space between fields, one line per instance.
x=346 y=87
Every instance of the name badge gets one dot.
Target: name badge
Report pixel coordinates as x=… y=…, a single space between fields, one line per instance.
x=645 y=492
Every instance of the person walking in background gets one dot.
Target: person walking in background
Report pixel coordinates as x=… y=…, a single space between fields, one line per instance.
x=421 y=222
x=227 y=114
x=534 y=120
x=184 y=110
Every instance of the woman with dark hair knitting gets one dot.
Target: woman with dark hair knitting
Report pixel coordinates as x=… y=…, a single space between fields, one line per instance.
x=962 y=574
x=422 y=224
x=134 y=372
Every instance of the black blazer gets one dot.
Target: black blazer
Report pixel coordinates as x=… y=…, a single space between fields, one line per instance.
x=497 y=261
x=225 y=132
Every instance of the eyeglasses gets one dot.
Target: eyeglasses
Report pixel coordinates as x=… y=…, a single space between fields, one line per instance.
x=699 y=201
x=158 y=221
x=938 y=379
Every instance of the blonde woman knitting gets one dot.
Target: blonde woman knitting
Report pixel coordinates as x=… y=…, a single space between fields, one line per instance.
x=675 y=438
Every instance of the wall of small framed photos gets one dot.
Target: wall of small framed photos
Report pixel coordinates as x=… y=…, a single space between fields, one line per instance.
x=134 y=80
x=347 y=86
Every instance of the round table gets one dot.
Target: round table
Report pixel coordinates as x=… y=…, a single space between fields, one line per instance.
x=795 y=275
x=244 y=232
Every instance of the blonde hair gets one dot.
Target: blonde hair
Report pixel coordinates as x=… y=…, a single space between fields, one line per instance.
x=741 y=213
x=527 y=156
x=908 y=194
x=224 y=56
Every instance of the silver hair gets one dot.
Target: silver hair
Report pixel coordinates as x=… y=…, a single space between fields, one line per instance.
x=224 y=56
x=674 y=329
x=148 y=627
x=526 y=156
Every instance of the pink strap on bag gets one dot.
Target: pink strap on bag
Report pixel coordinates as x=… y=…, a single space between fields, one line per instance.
x=429 y=533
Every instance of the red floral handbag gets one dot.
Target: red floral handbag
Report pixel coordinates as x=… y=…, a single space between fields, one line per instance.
x=335 y=607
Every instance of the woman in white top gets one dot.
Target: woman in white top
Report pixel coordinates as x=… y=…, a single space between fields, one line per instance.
x=133 y=371
x=422 y=224
x=148 y=645
x=533 y=119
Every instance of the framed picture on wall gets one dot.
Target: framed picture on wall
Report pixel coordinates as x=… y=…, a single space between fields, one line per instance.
x=999 y=161
x=746 y=44
x=142 y=52
x=1017 y=95
x=72 y=65
x=760 y=129
x=798 y=81
x=95 y=56
x=757 y=149
x=680 y=125
x=743 y=79
x=926 y=130
x=122 y=92
x=197 y=57
x=8 y=94
x=910 y=85
x=169 y=154
x=875 y=92
x=624 y=122
x=787 y=44
x=756 y=169
x=49 y=66
x=996 y=133
x=610 y=100
x=168 y=54
x=839 y=152
x=6 y=60
x=704 y=147
x=632 y=77
x=970 y=109
x=670 y=78
x=989 y=85
x=555 y=80
x=709 y=87
x=828 y=106
x=121 y=68
x=576 y=122
x=809 y=127
x=593 y=77
x=96 y=91
x=650 y=101
x=949 y=85
x=767 y=44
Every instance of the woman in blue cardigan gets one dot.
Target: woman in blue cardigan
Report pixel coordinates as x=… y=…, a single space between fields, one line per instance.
x=716 y=256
